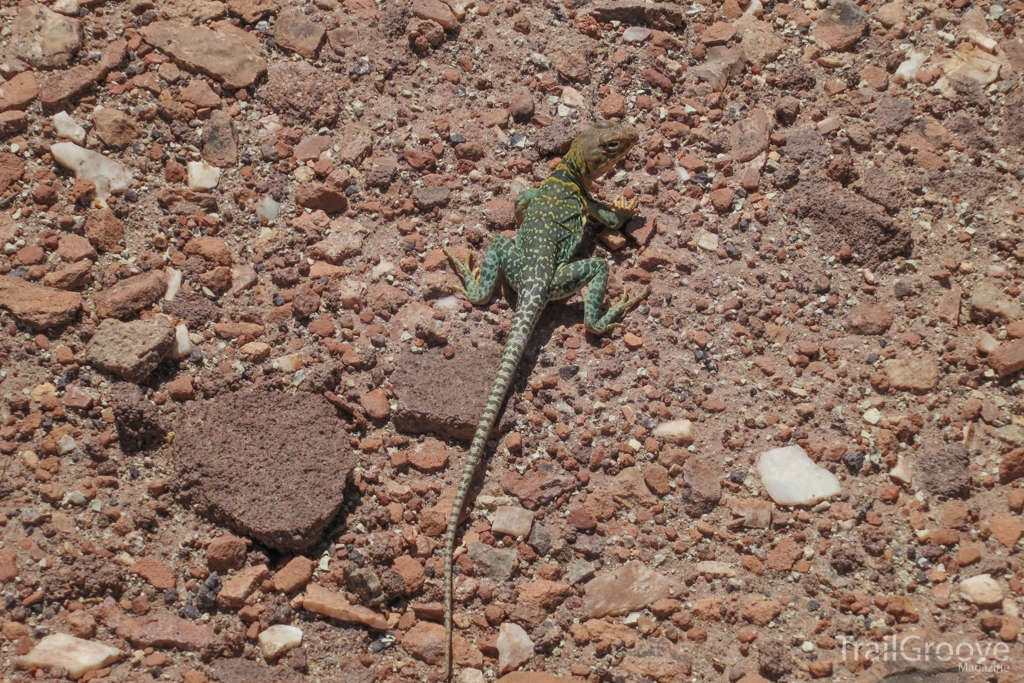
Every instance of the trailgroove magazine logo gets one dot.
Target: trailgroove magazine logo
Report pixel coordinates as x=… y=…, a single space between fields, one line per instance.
x=970 y=656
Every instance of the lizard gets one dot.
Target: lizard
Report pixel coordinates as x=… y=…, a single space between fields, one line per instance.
x=538 y=266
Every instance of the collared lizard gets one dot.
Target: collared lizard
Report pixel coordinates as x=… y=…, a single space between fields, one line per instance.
x=537 y=265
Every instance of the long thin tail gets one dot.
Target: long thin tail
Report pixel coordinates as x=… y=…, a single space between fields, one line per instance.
x=523 y=322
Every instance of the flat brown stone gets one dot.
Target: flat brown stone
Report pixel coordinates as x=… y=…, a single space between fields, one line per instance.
x=41 y=308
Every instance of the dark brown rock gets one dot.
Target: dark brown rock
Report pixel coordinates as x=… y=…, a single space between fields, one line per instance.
x=295 y=32
x=268 y=465
x=660 y=15
x=424 y=384
x=219 y=145
x=301 y=93
x=944 y=471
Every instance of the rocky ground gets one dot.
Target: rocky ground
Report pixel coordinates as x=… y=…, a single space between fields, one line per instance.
x=237 y=381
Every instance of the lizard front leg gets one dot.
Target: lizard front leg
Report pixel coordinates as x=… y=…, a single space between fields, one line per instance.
x=501 y=256
x=592 y=274
x=615 y=216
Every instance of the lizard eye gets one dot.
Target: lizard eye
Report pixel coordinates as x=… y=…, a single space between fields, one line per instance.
x=613 y=145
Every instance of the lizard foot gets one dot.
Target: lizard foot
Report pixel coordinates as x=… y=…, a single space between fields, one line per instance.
x=626 y=205
x=607 y=321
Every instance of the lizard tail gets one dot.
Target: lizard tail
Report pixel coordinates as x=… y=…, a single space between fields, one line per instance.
x=523 y=322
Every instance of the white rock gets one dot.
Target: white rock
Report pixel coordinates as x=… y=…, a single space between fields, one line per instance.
x=66 y=128
x=267 y=208
x=872 y=416
x=512 y=520
x=572 y=97
x=707 y=240
x=471 y=676
x=792 y=478
x=278 y=639
x=289 y=363
x=901 y=472
x=202 y=176
x=64 y=651
x=907 y=70
x=514 y=647
x=109 y=176
x=173 y=283
x=66 y=444
x=981 y=590
x=755 y=9
x=986 y=344
x=182 y=342
x=676 y=431
x=66 y=7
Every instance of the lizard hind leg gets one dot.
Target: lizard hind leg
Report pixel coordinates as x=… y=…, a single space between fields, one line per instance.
x=480 y=284
x=593 y=274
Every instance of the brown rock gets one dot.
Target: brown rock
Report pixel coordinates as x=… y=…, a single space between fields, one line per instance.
x=917 y=375
x=297 y=469
x=167 y=631
x=749 y=136
x=104 y=231
x=295 y=32
x=44 y=38
x=214 y=250
x=225 y=553
x=131 y=295
x=869 y=319
x=521 y=106
x=540 y=487
x=227 y=54
x=219 y=145
x=61 y=87
x=722 y=199
x=657 y=479
x=115 y=128
x=251 y=11
x=158 y=574
x=294 y=576
x=319 y=197
x=180 y=389
x=1012 y=466
x=543 y=594
x=19 y=92
x=625 y=589
x=719 y=33
x=41 y=308
x=130 y=350
x=356 y=144
x=759 y=611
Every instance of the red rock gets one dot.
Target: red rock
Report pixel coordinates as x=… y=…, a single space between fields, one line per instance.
x=375 y=404
x=236 y=589
x=158 y=574
x=722 y=198
x=199 y=93
x=420 y=158
x=8 y=564
x=180 y=389
x=429 y=456
x=319 y=197
x=718 y=33
x=12 y=122
x=129 y=296
x=59 y=88
x=435 y=10
x=539 y=487
x=1012 y=467
x=224 y=52
x=841 y=26
x=11 y=169
x=74 y=248
x=235 y=330
x=104 y=231
x=30 y=256
x=1008 y=358
x=1006 y=530
x=425 y=641
x=411 y=572
x=328 y=603
x=212 y=249
x=869 y=319
x=613 y=106
x=500 y=213
x=657 y=479
x=149 y=631
x=542 y=594
x=581 y=520
x=41 y=308
x=19 y=92
x=294 y=575
x=225 y=553
x=759 y=611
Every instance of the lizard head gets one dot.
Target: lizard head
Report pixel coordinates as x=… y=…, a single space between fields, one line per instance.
x=596 y=150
